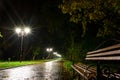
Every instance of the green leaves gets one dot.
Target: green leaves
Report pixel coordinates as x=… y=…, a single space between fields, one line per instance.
x=98 y=19
x=36 y=51
x=105 y=12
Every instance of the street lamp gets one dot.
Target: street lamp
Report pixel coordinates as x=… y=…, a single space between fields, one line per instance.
x=49 y=50
x=21 y=33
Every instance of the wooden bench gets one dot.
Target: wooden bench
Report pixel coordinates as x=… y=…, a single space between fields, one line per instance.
x=84 y=72
x=111 y=53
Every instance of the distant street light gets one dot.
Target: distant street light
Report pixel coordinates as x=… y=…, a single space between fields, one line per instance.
x=49 y=50
x=21 y=33
x=56 y=54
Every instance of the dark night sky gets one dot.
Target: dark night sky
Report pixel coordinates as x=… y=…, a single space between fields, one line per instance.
x=28 y=12
x=41 y=15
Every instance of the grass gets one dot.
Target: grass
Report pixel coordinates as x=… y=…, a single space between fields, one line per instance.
x=17 y=63
x=67 y=65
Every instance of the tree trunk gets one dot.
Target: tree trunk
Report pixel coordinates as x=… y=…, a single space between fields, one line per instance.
x=34 y=57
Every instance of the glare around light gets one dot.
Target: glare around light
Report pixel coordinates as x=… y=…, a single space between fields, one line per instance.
x=23 y=30
x=56 y=54
x=18 y=30
x=49 y=49
x=27 y=30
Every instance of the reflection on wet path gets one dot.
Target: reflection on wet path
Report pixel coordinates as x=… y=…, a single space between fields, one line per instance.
x=20 y=73
x=47 y=71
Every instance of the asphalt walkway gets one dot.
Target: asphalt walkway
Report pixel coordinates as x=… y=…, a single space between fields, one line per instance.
x=52 y=70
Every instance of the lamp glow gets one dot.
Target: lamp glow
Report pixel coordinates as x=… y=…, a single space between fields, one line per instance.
x=18 y=30
x=49 y=49
x=56 y=54
x=27 y=30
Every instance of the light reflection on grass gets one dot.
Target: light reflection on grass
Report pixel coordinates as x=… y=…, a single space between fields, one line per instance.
x=17 y=63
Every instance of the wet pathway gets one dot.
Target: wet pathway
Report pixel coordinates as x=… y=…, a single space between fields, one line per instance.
x=52 y=70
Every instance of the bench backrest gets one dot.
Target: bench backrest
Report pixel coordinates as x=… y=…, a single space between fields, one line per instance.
x=108 y=53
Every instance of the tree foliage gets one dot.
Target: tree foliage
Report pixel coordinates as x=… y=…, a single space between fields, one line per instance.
x=104 y=13
x=36 y=52
x=99 y=21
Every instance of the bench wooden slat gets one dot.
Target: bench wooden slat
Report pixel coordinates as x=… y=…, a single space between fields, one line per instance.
x=105 y=49
x=82 y=74
x=104 y=53
x=84 y=70
x=108 y=53
x=103 y=58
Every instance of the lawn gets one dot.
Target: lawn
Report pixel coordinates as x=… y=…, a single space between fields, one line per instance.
x=17 y=63
x=67 y=64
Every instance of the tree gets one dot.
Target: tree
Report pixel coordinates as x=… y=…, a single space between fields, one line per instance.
x=36 y=52
x=105 y=14
x=98 y=19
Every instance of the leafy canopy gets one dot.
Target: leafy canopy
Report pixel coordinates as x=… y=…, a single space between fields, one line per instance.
x=103 y=13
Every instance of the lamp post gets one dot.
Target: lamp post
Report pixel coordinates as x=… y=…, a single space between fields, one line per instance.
x=21 y=33
x=49 y=50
